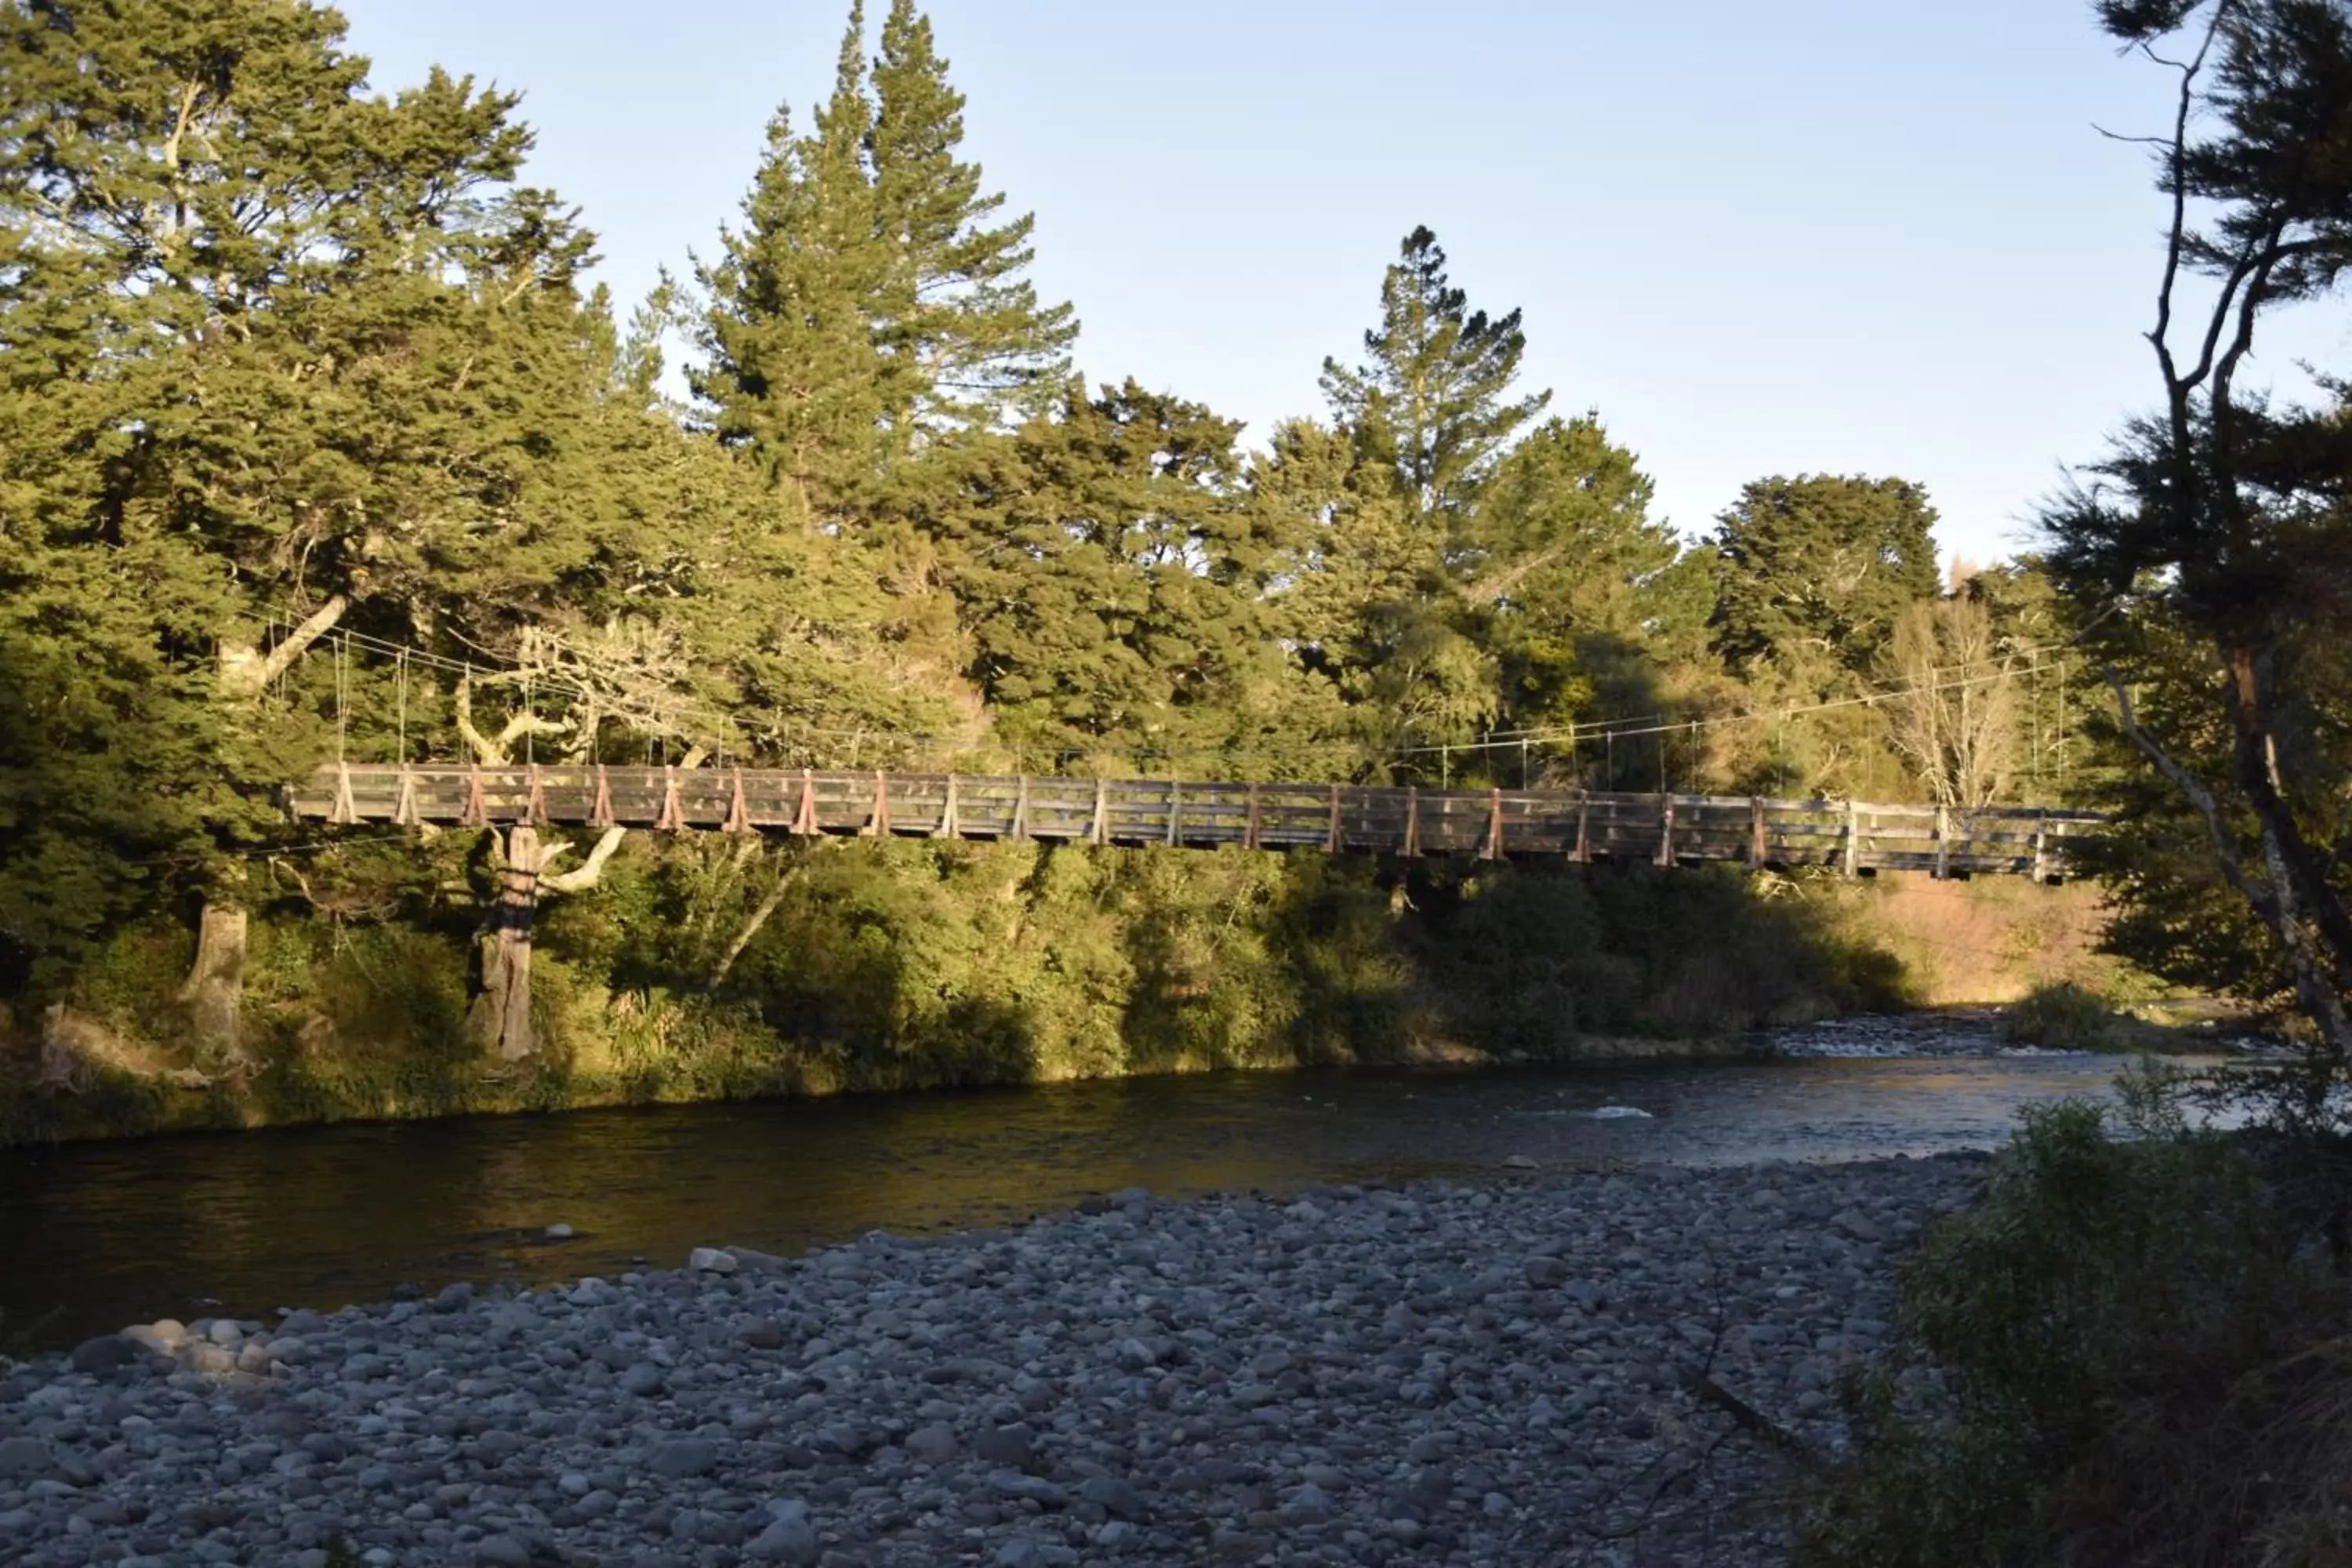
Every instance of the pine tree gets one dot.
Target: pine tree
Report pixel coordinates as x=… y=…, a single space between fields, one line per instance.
x=978 y=349
x=794 y=374
x=1372 y=605
x=1814 y=572
x=1584 y=604
x=1432 y=402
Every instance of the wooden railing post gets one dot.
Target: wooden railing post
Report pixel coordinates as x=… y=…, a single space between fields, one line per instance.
x=477 y=809
x=347 y=811
x=804 y=821
x=1099 y=830
x=947 y=827
x=1175 y=814
x=1412 y=819
x=1331 y=841
x=1250 y=828
x=2041 y=849
x=1853 y=839
x=673 y=814
x=878 y=822
x=1020 y=809
x=1665 y=830
x=534 y=810
x=1756 y=830
x=1943 y=842
x=1493 y=848
x=600 y=810
x=404 y=809
x=1582 y=855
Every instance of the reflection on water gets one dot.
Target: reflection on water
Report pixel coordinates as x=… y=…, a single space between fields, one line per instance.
x=113 y=1233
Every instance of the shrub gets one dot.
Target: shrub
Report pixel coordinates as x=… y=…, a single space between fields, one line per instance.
x=2115 y=1356
x=2064 y=1015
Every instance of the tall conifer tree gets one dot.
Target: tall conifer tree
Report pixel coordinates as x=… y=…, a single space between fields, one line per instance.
x=792 y=373
x=1432 y=402
x=961 y=314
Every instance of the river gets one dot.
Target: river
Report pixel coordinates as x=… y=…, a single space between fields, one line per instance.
x=96 y=1236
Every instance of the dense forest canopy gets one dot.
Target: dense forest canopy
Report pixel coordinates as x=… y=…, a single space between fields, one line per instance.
x=314 y=440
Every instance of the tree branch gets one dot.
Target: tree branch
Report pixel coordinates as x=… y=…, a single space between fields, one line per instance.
x=246 y=673
x=588 y=872
x=2194 y=791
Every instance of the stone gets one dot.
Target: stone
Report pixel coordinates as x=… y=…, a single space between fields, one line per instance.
x=681 y=1458
x=1856 y=1224
x=1519 y=1161
x=502 y=1551
x=559 y=1231
x=107 y=1352
x=762 y=1337
x=1544 y=1273
x=1115 y=1496
x=643 y=1379
x=1015 y=1445
x=26 y=1457
x=784 y=1533
x=454 y=1296
x=712 y=1260
x=933 y=1445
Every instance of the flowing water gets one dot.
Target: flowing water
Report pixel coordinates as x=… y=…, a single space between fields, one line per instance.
x=95 y=1235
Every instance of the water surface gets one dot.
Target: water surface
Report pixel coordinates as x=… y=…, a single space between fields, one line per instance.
x=101 y=1235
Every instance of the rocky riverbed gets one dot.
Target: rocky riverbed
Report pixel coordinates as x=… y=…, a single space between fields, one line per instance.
x=1481 y=1374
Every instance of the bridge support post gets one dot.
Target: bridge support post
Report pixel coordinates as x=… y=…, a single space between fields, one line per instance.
x=877 y=823
x=346 y=812
x=673 y=813
x=739 y=810
x=478 y=812
x=534 y=810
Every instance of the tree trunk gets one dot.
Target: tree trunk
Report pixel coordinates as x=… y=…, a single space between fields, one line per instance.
x=215 y=989
x=501 y=1018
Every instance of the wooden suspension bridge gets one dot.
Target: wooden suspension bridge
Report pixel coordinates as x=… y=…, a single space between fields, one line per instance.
x=1663 y=829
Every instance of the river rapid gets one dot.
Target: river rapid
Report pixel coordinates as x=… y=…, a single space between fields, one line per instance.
x=96 y=1236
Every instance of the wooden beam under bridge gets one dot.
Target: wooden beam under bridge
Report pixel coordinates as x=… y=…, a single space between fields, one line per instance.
x=1595 y=826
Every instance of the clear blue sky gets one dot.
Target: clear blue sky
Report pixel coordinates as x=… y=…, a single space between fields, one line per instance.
x=1845 y=236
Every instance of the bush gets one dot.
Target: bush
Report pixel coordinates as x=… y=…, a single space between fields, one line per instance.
x=2064 y=1015
x=2119 y=1355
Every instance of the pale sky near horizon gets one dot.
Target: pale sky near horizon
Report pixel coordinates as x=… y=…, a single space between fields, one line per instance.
x=1826 y=236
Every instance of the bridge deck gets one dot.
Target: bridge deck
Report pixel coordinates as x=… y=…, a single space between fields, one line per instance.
x=1665 y=829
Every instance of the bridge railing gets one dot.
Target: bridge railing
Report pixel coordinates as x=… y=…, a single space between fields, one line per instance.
x=1665 y=829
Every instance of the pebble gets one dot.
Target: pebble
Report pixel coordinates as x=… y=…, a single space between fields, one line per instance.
x=1457 y=1373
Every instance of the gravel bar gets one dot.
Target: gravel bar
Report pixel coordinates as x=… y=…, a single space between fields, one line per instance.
x=1434 y=1373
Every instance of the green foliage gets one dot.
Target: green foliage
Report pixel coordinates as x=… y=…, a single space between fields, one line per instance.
x=2064 y=1015
x=2099 y=1361
x=1815 y=571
